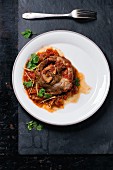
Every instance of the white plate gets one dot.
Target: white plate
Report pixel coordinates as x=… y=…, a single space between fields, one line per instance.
x=86 y=56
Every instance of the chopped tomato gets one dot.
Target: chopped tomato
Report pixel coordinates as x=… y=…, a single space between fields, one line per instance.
x=31 y=75
x=33 y=91
x=25 y=77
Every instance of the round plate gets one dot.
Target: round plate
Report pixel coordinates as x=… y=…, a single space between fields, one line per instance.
x=86 y=56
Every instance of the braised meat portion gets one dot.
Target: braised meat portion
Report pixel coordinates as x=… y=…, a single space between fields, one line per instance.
x=55 y=74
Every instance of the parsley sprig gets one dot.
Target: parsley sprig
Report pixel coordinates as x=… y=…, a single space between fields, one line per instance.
x=28 y=84
x=32 y=63
x=42 y=93
x=34 y=125
x=27 y=33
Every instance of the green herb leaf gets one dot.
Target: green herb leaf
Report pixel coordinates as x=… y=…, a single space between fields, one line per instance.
x=27 y=33
x=46 y=95
x=29 y=65
x=32 y=63
x=31 y=122
x=41 y=92
x=39 y=127
x=77 y=82
x=30 y=125
x=34 y=125
x=34 y=58
x=28 y=84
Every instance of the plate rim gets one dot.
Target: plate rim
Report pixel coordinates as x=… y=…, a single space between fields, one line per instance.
x=98 y=106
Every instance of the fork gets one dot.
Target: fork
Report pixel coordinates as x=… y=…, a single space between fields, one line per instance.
x=76 y=14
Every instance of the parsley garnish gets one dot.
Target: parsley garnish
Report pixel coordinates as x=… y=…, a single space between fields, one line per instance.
x=42 y=93
x=34 y=58
x=34 y=125
x=77 y=82
x=46 y=95
x=39 y=127
x=32 y=63
x=27 y=33
x=28 y=84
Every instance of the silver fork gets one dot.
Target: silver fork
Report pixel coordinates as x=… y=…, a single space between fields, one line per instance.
x=76 y=14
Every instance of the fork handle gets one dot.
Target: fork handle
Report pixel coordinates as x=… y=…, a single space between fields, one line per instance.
x=42 y=15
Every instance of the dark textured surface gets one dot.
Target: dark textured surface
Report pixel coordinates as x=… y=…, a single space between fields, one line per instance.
x=9 y=158
x=95 y=135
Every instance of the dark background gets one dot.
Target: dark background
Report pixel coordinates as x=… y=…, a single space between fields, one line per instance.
x=9 y=158
x=94 y=135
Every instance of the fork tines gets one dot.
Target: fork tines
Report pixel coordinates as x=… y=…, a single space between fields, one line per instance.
x=86 y=11
x=86 y=14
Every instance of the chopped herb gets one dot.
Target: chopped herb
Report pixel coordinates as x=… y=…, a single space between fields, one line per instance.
x=39 y=127
x=46 y=95
x=32 y=63
x=31 y=66
x=28 y=84
x=27 y=33
x=34 y=125
x=34 y=58
x=30 y=125
x=77 y=82
x=41 y=92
